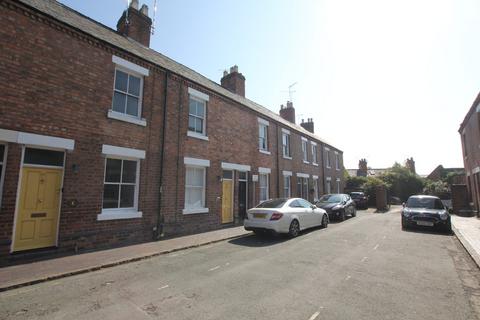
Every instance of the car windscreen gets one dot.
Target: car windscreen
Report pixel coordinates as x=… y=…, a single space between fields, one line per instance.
x=425 y=203
x=275 y=203
x=356 y=195
x=331 y=198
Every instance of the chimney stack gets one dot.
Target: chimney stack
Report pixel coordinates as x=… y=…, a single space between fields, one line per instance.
x=288 y=112
x=135 y=23
x=234 y=81
x=308 y=125
x=362 y=168
x=410 y=164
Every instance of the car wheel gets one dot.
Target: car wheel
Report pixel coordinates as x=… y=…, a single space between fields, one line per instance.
x=342 y=216
x=294 y=229
x=325 y=221
x=404 y=224
x=448 y=228
x=354 y=213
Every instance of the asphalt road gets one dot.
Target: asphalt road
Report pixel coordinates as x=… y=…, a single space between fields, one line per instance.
x=363 y=268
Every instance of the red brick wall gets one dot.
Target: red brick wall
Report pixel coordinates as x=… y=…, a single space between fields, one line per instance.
x=470 y=139
x=58 y=82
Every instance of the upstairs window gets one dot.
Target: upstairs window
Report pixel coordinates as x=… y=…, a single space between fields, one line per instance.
x=263 y=135
x=327 y=158
x=314 y=153
x=286 y=145
x=196 y=115
x=304 y=150
x=127 y=93
x=337 y=161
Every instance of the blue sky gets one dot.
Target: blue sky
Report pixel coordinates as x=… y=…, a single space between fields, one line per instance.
x=383 y=80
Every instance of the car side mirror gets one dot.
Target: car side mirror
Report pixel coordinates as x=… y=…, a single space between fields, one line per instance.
x=403 y=204
x=313 y=206
x=450 y=210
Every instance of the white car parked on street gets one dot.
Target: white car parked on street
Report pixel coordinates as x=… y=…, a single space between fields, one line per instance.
x=285 y=216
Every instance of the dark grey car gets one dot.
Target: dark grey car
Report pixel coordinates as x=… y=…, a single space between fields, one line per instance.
x=426 y=211
x=337 y=205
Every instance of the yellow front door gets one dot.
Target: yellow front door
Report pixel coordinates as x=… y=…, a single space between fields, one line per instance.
x=227 y=201
x=38 y=208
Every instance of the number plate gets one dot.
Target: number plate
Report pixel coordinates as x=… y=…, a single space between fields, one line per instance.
x=425 y=223
x=259 y=215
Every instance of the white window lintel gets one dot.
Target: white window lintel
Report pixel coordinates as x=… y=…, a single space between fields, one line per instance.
x=313 y=143
x=130 y=66
x=314 y=177
x=198 y=94
x=262 y=170
x=285 y=131
x=235 y=166
x=196 y=162
x=303 y=175
x=109 y=150
x=329 y=179
x=304 y=139
x=287 y=173
x=36 y=139
x=263 y=121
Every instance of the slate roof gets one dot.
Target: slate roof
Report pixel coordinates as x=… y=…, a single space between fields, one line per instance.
x=68 y=16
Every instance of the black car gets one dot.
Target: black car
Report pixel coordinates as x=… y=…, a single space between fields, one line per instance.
x=361 y=200
x=338 y=205
x=426 y=211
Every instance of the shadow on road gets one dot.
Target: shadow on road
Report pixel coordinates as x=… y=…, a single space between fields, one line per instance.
x=263 y=240
x=427 y=230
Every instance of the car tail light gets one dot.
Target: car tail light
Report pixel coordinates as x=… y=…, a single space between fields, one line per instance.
x=276 y=216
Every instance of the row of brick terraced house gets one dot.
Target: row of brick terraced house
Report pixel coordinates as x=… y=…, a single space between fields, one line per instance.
x=104 y=141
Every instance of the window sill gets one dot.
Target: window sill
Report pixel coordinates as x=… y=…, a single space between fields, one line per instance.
x=115 y=214
x=287 y=157
x=328 y=167
x=315 y=164
x=264 y=151
x=122 y=117
x=195 y=210
x=197 y=135
x=306 y=162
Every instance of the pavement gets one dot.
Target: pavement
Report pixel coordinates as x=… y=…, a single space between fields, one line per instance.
x=363 y=268
x=31 y=273
x=467 y=230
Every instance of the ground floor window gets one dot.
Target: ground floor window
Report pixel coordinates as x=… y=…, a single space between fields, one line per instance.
x=315 y=189
x=302 y=187
x=120 y=187
x=286 y=186
x=338 y=185
x=263 y=182
x=195 y=188
x=329 y=186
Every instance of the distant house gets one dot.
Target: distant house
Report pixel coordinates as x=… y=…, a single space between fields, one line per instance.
x=440 y=173
x=364 y=171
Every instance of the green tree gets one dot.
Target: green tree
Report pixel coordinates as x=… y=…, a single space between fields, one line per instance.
x=401 y=182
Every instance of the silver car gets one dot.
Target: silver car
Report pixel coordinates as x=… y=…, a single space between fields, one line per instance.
x=284 y=215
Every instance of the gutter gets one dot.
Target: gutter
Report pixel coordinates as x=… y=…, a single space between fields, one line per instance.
x=158 y=229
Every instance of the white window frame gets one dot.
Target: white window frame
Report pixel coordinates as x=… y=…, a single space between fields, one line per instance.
x=3 y=163
x=121 y=153
x=305 y=150
x=314 y=153
x=287 y=187
x=329 y=185
x=315 y=187
x=327 y=158
x=134 y=70
x=203 y=98
x=286 y=144
x=338 y=185
x=337 y=161
x=262 y=123
x=267 y=187
x=196 y=163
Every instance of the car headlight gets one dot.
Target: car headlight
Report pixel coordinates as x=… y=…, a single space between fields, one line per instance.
x=406 y=212
x=443 y=215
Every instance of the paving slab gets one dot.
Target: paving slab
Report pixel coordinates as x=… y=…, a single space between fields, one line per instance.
x=467 y=230
x=26 y=274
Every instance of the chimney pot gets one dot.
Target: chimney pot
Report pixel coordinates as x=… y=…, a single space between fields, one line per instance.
x=225 y=72
x=309 y=125
x=134 y=4
x=144 y=10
